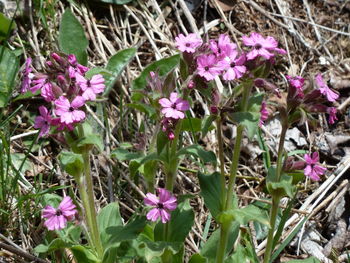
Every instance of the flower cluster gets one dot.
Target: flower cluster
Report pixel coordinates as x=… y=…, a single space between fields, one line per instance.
x=222 y=57
x=162 y=205
x=63 y=84
x=57 y=219
x=311 y=99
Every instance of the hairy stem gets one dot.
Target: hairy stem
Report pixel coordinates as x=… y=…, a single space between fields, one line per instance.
x=222 y=160
x=224 y=228
x=275 y=199
x=90 y=205
x=270 y=237
x=173 y=164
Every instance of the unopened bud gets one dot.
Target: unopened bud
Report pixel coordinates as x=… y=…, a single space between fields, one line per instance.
x=214 y=110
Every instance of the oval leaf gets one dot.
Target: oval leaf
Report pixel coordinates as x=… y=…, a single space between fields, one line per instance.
x=72 y=39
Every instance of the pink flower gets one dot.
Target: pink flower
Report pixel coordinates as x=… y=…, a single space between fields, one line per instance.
x=27 y=75
x=223 y=47
x=324 y=89
x=174 y=106
x=57 y=219
x=72 y=59
x=298 y=83
x=69 y=112
x=91 y=87
x=188 y=43
x=61 y=125
x=264 y=114
x=233 y=65
x=43 y=121
x=332 y=115
x=207 y=68
x=47 y=92
x=263 y=47
x=313 y=169
x=39 y=82
x=162 y=205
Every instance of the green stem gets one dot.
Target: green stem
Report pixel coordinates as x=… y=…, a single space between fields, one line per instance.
x=280 y=152
x=222 y=160
x=234 y=166
x=275 y=199
x=224 y=229
x=270 y=237
x=91 y=211
x=220 y=256
x=172 y=166
x=84 y=198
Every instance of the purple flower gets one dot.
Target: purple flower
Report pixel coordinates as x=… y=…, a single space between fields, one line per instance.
x=69 y=112
x=207 y=68
x=61 y=125
x=43 y=121
x=57 y=219
x=297 y=82
x=162 y=205
x=47 y=92
x=72 y=59
x=40 y=81
x=313 y=169
x=188 y=43
x=263 y=47
x=233 y=66
x=174 y=106
x=324 y=89
x=91 y=87
x=27 y=75
x=264 y=114
x=223 y=47
x=332 y=115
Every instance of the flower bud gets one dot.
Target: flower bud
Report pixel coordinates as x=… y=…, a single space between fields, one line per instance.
x=214 y=110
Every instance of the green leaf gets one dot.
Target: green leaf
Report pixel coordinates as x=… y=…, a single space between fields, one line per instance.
x=154 y=250
x=211 y=192
x=162 y=141
x=26 y=95
x=182 y=219
x=125 y=155
x=127 y=232
x=239 y=255
x=55 y=244
x=282 y=188
x=5 y=26
x=210 y=247
x=288 y=240
x=207 y=124
x=83 y=254
x=94 y=71
x=162 y=66
x=72 y=39
x=109 y=216
x=250 y=120
x=244 y=215
x=198 y=151
x=116 y=65
x=116 y=2
x=72 y=163
x=90 y=140
x=254 y=102
x=191 y=124
x=307 y=260
x=9 y=66
x=145 y=108
x=197 y=258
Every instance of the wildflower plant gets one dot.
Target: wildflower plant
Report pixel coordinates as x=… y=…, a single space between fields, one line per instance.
x=165 y=92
